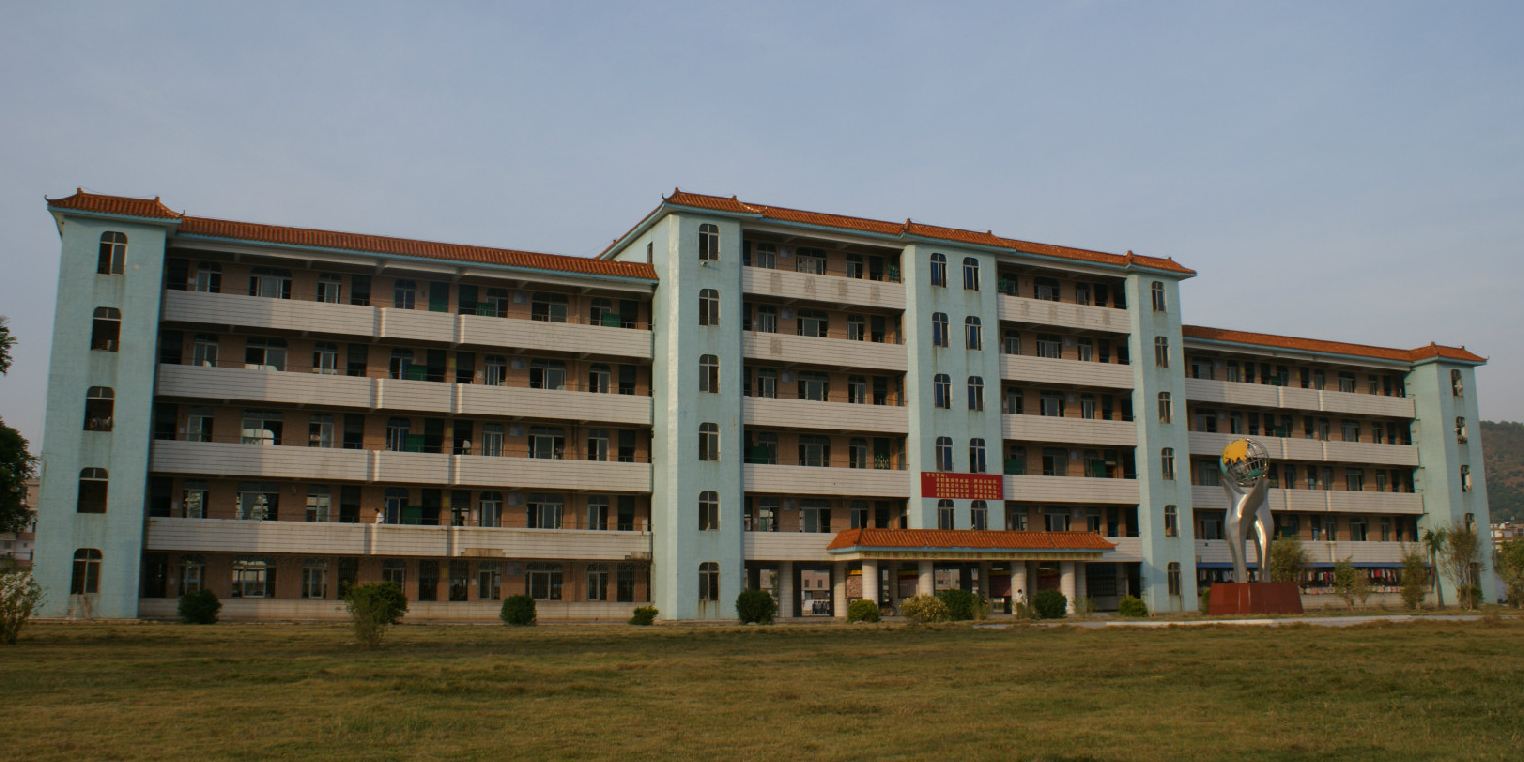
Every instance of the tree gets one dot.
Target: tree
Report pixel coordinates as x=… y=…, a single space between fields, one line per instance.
x=1434 y=540
x=1346 y=576
x=1415 y=576
x=1287 y=559
x=6 y=342
x=16 y=462
x=1509 y=564
x=1459 y=562
x=19 y=595
x=372 y=608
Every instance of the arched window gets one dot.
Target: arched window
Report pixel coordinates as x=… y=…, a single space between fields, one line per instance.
x=709 y=441
x=92 y=491
x=973 y=333
x=1457 y=386
x=944 y=454
x=709 y=307
x=106 y=329
x=945 y=514
x=1158 y=293
x=1173 y=571
x=709 y=242
x=976 y=457
x=548 y=307
x=941 y=387
x=99 y=403
x=1161 y=351
x=938 y=270
x=87 y=571
x=976 y=394
x=1167 y=462
x=709 y=373
x=1171 y=521
x=979 y=515
x=113 y=254
x=970 y=274
x=709 y=510
x=709 y=581
x=939 y=337
x=1166 y=408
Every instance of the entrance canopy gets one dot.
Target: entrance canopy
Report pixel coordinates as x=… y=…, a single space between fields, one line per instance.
x=966 y=545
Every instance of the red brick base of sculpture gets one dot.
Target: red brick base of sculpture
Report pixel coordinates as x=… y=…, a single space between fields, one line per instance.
x=1255 y=598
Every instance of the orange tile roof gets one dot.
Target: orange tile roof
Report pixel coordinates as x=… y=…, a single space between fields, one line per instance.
x=967 y=539
x=330 y=239
x=1331 y=347
x=916 y=229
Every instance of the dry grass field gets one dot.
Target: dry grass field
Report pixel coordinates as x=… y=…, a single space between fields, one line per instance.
x=1421 y=691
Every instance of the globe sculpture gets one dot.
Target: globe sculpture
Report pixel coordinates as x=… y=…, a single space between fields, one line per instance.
x=1244 y=464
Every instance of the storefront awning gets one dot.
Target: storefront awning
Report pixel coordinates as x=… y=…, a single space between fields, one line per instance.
x=966 y=545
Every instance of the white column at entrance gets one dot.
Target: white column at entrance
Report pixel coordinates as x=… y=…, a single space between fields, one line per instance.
x=785 y=588
x=1081 y=591
x=1122 y=580
x=871 y=589
x=926 y=582
x=1066 y=582
x=1019 y=589
x=839 y=589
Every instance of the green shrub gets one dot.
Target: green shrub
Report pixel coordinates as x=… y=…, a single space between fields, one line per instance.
x=19 y=596
x=1050 y=604
x=200 y=607
x=862 y=610
x=1415 y=576
x=925 y=609
x=756 y=606
x=644 y=616
x=518 y=611
x=1132 y=607
x=1204 y=599
x=962 y=605
x=372 y=608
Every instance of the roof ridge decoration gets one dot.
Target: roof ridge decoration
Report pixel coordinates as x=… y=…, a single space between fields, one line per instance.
x=1298 y=343
x=210 y=227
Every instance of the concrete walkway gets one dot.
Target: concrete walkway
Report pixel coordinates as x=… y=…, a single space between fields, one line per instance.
x=1317 y=621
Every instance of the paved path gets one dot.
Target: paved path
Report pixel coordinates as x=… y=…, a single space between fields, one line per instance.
x=1317 y=621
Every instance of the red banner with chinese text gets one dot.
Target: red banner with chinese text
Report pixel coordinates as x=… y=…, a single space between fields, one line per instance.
x=962 y=486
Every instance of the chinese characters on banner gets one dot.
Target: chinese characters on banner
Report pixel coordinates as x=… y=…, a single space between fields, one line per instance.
x=962 y=486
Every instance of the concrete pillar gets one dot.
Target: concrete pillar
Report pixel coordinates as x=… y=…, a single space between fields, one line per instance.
x=1122 y=581
x=1020 y=592
x=926 y=582
x=894 y=583
x=786 y=593
x=1081 y=589
x=984 y=579
x=871 y=586
x=839 y=589
x=1066 y=582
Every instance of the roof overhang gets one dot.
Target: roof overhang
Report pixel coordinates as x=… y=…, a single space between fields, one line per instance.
x=966 y=545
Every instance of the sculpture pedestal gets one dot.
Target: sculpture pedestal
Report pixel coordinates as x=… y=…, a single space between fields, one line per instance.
x=1255 y=598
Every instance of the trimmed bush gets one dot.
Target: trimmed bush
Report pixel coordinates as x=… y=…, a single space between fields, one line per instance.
x=756 y=607
x=1050 y=604
x=518 y=611
x=962 y=605
x=862 y=610
x=644 y=616
x=19 y=596
x=925 y=609
x=372 y=608
x=1132 y=607
x=200 y=607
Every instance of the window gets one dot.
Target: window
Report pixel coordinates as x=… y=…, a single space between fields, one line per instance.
x=1011 y=343
x=545 y=510
x=1457 y=386
x=1161 y=351
x=1349 y=429
x=945 y=514
x=857 y=328
x=253 y=578
x=709 y=242
x=976 y=459
x=1166 y=408
x=315 y=578
x=973 y=333
x=1346 y=381
x=261 y=427
x=495 y=370
x=1173 y=571
x=857 y=453
x=320 y=430
x=938 y=270
x=815 y=516
x=857 y=390
x=765 y=255
x=1085 y=349
x=490 y=507
x=547 y=374
x=489 y=581
x=1045 y=289
x=597 y=582
x=597 y=444
x=709 y=307
x=941 y=385
x=92 y=491
x=970 y=274
x=87 y=569
x=767 y=383
x=813 y=323
x=764 y=450
x=709 y=374
x=709 y=441
x=208 y=277
x=1465 y=478
x=548 y=307
x=810 y=260
x=113 y=254
x=257 y=501
x=976 y=393
x=1167 y=462
x=709 y=510
x=106 y=329
x=204 y=350
x=192 y=573
x=325 y=358
x=939 y=337
x=1050 y=346
x=1158 y=292
x=709 y=581
x=854 y=266
x=814 y=385
x=1051 y=403
x=547 y=443
x=767 y=319
x=1460 y=429
x=270 y=283
x=944 y=454
x=544 y=581
x=99 y=403
x=814 y=450
x=193 y=499
x=265 y=354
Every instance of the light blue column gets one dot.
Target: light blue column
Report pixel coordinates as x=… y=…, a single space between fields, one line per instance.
x=1441 y=456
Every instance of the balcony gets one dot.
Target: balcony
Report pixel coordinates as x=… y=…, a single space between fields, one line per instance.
x=1319 y=501
x=832 y=416
x=1295 y=398
x=827 y=289
x=330 y=538
x=1083 y=431
x=1047 y=370
x=808 y=480
x=1021 y=309
x=1282 y=448
x=259 y=385
x=823 y=352
x=1071 y=489
x=262 y=312
x=1128 y=549
x=787 y=546
x=1318 y=551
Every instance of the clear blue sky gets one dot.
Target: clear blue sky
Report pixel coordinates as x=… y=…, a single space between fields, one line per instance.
x=1348 y=171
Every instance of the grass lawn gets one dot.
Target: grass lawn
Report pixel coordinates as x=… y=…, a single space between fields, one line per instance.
x=1427 y=690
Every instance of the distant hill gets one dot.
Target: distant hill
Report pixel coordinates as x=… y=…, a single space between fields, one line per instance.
x=1503 y=453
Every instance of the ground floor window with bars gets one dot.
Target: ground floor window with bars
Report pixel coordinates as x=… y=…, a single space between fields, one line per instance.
x=253 y=578
x=315 y=578
x=597 y=582
x=545 y=581
x=709 y=581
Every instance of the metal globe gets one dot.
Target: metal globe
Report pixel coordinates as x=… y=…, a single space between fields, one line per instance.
x=1244 y=461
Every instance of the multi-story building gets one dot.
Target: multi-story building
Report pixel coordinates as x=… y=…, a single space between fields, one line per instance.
x=16 y=547
x=731 y=395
